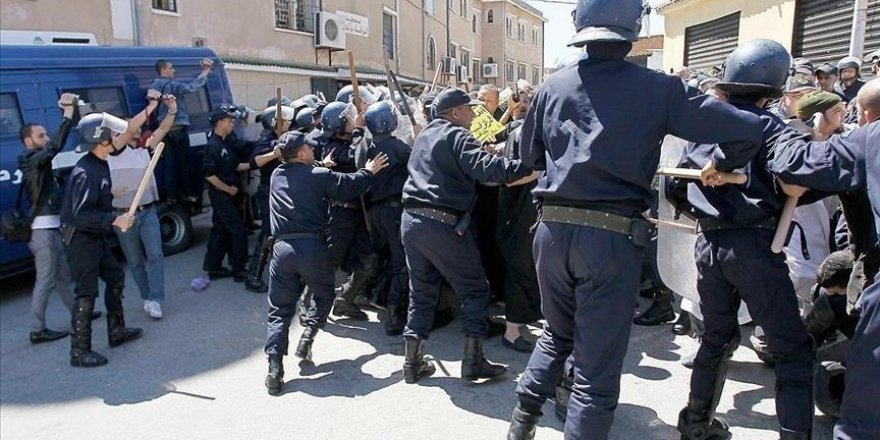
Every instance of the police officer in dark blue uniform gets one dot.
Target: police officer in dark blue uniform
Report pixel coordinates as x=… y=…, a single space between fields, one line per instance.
x=737 y=225
x=88 y=215
x=350 y=246
x=222 y=166
x=264 y=158
x=847 y=163
x=446 y=163
x=599 y=154
x=298 y=200
x=386 y=208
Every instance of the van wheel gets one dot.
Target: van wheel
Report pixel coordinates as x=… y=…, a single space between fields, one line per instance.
x=176 y=228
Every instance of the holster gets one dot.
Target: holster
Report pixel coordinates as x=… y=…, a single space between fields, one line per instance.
x=67 y=233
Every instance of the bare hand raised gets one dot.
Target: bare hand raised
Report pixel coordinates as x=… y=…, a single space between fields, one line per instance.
x=377 y=163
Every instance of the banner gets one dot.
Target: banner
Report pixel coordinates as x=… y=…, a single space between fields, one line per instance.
x=484 y=126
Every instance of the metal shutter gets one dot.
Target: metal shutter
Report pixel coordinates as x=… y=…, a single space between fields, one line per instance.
x=708 y=44
x=823 y=29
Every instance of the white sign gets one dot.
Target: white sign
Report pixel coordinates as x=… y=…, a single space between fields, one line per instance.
x=354 y=24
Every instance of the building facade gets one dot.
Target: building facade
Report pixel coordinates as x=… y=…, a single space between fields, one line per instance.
x=272 y=43
x=701 y=33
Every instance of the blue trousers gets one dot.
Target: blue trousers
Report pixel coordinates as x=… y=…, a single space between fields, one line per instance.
x=387 y=227
x=228 y=233
x=349 y=239
x=142 y=246
x=735 y=265
x=434 y=252
x=859 y=415
x=589 y=280
x=295 y=265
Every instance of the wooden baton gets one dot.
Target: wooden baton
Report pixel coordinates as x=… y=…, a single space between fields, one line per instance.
x=784 y=225
x=145 y=180
x=356 y=96
x=687 y=173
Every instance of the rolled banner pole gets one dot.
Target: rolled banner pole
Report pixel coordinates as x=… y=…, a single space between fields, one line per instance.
x=688 y=173
x=784 y=225
x=145 y=180
x=278 y=109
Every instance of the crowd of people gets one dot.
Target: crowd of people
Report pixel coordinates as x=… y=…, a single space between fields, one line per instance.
x=380 y=198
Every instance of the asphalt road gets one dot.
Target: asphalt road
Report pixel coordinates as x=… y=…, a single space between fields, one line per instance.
x=198 y=374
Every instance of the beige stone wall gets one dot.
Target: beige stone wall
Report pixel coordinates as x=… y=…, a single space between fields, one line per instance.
x=773 y=19
x=91 y=16
x=501 y=48
x=254 y=88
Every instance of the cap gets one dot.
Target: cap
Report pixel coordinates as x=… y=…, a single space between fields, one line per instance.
x=873 y=57
x=222 y=112
x=827 y=68
x=801 y=66
x=291 y=141
x=451 y=98
x=816 y=103
x=799 y=83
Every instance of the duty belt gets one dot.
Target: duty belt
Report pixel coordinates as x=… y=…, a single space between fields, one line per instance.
x=637 y=231
x=712 y=224
x=344 y=205
x=299 y=235
x=139 y=208
x=434 y=214
x=391 y=203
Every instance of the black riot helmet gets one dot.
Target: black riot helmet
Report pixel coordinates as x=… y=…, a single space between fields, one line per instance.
x=607 y=20
x=759 y=67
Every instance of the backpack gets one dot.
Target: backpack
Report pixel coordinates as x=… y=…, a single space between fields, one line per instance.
x=16 y=226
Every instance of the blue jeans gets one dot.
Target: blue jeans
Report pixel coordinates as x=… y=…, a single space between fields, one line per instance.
x=142 y=246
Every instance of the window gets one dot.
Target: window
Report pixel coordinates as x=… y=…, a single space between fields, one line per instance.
x=165 y=5
x=535 y=36
x=508 y=26
x=536 y=75
x=198 y=108
x=104 y=99
x=388 y=34
x=431 y=56
x=521 y=72
x=474 y=24
x=452 y=50
x=508 y=71
x=465 y=58
x=490 y=17
x=429 y=7
x=475 y=69
x=521 y=32
x=296 y=15
x=10 y=116
x=463 y=8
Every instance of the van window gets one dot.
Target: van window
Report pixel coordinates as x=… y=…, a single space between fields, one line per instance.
x=10 y=116
x=104 y=99
x=198 y=108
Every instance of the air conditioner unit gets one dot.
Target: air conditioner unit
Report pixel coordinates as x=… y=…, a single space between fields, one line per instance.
x=462 y=74
x=490 y=70
x=329 y=33
x=449 y=64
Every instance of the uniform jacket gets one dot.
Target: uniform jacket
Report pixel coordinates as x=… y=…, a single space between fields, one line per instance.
x=388 y=185
x=88 y=202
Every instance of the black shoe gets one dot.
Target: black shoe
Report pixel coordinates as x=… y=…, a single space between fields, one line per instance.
x=658 y=313
x=519 y=344
x=496 y=329
x=523 y=425
x=304 y=349
x=239 y=276
x=96 y=314
x=218 y=274
x=275 y=378
x=46 y=335
x=256 y=285
x=475 y=365
x=683 y=325
x=345 y=309
x=88 y=359
x=415 y=367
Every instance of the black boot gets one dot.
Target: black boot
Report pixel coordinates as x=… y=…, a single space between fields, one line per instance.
x=785 y=434
x=304 y=349
x=117 y=333
x=275 y=378
x=682 y=325
x=523 y=424
x=474 y=365
x=659 y=312
x=255 y=281
x=415 y=366
x=256 y=285
x=81 y=354
x=395 y=321
x=697 y=422
x=304 y=303
x=344 y=305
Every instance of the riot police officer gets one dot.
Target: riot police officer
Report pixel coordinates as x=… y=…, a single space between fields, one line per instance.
x=385 y=200
x=350 y=246
x=737 y=225
x=298 y=200
x=264 y=158
x=88 y=215
x=221 y=167
x=446 y=163
x=588 y=242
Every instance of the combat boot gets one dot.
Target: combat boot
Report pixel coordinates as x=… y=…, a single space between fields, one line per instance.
x=81 y=354
x=304 y=348
x=344 y=305
x=395 y=320
x=117 y=333
x=415 y=367
x=523 y=424
x=255 y=281
x=474 y=365
x=659 y=312
x=275 y=378
x=785 y=434
x=696 y=422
